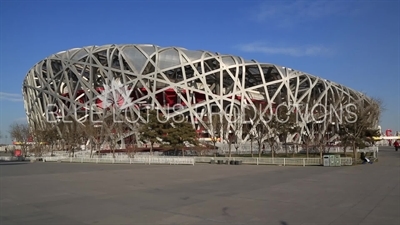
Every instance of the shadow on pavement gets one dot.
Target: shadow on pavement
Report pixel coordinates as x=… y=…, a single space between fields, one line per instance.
x=5 y=163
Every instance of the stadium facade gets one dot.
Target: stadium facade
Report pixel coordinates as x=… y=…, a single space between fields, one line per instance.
x=83 y=82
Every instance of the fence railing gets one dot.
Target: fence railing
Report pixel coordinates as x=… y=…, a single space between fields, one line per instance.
x=53 y=158
x=10 y=158
x=138 y=160
x=173 y=160
x=345 y=161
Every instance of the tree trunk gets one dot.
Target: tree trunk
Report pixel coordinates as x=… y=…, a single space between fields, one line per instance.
x=129 y=151
x=230 y=150
x=183 y=151
x=91 y=148
x=251 y=147
x=295 y=149
x=320 y=152
x=215 y=148
x=135 y=150
x=355 y=153
x=272 y=151
x=151 y=148
x=307 y=151
x=286 y=151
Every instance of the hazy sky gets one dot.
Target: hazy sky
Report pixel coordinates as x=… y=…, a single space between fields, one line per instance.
x=354 y=43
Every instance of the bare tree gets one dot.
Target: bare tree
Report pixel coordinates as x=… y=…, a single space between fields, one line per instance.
x=115 y=131
x=271 y=136
x=72 y=133
x=307 y=142
x=94 y=132
x=45 y=137
x=314 y=132
x=131 y=146
x=39 y=137
x=260 y=128
x=251 y=136
x=130 y=139
x=21 y=133
x=319 y=137
x=248 y=128
x=235 y=128
x=217 y=124
x=284 y=124
x=361 y=123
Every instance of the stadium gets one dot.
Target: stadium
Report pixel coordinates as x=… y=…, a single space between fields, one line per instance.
x=130 y=79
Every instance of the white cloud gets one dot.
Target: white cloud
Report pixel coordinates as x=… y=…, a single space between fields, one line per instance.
x=291 y=51
x=10 y=97
x=285 y=13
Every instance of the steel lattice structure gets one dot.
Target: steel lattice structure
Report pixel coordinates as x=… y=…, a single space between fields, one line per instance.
x=151 y=76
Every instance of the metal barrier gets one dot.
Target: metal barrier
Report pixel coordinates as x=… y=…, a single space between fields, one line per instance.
x=14 y=158
x=173 y=160
x=8 y=158
x=53 y=158
x=139 y=160
x=345 y=161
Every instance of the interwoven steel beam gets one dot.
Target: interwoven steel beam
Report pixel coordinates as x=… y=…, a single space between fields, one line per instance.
x=84 y=80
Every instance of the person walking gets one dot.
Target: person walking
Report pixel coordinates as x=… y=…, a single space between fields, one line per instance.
x=396 y=145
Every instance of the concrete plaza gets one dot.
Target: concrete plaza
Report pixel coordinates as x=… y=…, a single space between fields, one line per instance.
x=63 y=193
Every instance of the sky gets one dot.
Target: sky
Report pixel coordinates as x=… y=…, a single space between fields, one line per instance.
x=354 y=43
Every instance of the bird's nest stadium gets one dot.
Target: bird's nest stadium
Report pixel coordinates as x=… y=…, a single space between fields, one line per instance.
x=132 y=78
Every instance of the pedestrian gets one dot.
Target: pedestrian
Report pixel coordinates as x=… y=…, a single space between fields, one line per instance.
x=396 y=145
x=364 y=158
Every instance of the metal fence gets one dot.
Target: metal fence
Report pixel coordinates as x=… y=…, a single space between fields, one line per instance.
x=137 y=160
x=173 y=160
x=345 y=161
x=10 y=158
x=280 y=148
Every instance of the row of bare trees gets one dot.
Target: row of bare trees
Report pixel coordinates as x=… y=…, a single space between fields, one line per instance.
x=68 y=135
x=254 y=125
x=262 y=128
x=111 y=133
x=315 y=132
